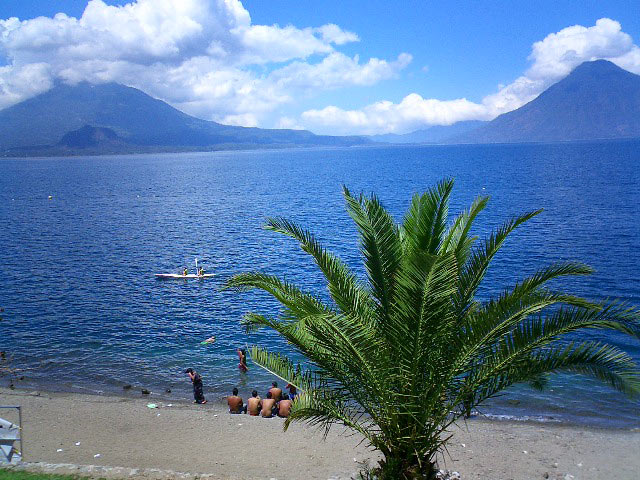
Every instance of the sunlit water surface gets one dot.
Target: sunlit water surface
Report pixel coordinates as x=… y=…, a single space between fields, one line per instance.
x=84 y=312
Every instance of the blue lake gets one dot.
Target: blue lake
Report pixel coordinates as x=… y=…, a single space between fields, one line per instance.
x=84 y=312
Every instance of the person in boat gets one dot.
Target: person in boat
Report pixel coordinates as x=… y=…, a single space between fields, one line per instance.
x=242 y=356
x=196 y=380
x=235 y=403
x=254 y=404
x=200 y=271
x=185 y=272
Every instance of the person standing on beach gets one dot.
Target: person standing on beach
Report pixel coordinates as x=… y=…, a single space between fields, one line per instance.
x=275 y=392
x=254 y=404
x=196 y=380
x=235 y=403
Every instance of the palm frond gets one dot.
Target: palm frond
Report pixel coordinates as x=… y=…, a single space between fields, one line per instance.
x=380 y=246
x=297 y=302
x=457 y=238
x=607 y=363
x=343 y=285
x=475 y=269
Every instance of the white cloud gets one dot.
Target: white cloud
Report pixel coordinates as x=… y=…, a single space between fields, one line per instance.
x=411 y=113
x=337 y=70
x=202 y=56
x=28 y=80
x=553 y=58
x=331 y=33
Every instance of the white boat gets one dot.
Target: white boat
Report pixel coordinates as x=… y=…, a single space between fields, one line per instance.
x=182 y=275
x=179 y=275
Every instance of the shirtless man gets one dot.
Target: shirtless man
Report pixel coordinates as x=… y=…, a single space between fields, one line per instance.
x=268 y=405
x=276 y=392
x=235 y=403
x=284 y=406
x=254 y=404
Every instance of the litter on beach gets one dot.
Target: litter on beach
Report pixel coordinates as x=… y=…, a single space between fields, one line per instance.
x=152 y=405
x=77 y=444
x=97 y=455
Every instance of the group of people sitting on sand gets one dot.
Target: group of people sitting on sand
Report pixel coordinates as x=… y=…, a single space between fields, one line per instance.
x=276 y=402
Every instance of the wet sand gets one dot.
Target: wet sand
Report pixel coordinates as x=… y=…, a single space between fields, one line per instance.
x=206 y=439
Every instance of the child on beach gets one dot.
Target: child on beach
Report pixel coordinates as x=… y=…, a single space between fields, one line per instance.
x=196 y=380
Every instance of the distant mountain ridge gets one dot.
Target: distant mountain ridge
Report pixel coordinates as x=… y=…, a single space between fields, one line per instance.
x=137 y=123
x=434 y=134
x=597 y=100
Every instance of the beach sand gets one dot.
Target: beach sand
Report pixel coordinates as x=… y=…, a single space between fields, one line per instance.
x=206 y=439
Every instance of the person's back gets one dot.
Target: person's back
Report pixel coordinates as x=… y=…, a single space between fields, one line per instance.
x=235 y=402
x=284 y=406
x=254 y=404
x=267 y=406
x=276 y=393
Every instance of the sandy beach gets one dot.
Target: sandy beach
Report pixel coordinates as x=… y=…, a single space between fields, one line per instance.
x=206 y=439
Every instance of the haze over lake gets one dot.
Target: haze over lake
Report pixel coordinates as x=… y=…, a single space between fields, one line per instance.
x=83 y=309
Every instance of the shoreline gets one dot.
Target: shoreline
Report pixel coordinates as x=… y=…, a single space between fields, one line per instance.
x=183 y=394
x=206 y=439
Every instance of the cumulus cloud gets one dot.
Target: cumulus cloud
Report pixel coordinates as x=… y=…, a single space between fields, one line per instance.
x=336 y=70
x=552 y=59
x=334 y=34
x=202 y=56
x=413 y=111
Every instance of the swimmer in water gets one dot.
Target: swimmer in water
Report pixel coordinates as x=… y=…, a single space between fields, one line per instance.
x=242 y=356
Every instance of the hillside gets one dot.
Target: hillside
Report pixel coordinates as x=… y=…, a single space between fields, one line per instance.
x=125 y=119
x=434 y=134
x=598 y=100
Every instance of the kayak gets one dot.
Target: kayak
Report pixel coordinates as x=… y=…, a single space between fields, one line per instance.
x=178 y=275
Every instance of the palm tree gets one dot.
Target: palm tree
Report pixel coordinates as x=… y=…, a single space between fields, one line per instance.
x=403 y=355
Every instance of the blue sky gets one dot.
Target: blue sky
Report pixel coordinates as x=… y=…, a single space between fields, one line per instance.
x=329 y=66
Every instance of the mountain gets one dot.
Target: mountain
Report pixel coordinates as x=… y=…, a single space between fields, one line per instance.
x=597 y=100
x=110 y=117
x=435 y=134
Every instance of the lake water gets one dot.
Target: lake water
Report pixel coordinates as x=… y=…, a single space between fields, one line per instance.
x=84 y=312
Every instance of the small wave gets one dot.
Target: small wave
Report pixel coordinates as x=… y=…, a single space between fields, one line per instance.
x=519 y=418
